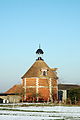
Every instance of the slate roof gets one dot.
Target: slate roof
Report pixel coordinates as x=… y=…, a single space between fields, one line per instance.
x=67 y=86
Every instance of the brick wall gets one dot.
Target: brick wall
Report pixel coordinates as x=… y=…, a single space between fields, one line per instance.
x=39 y=89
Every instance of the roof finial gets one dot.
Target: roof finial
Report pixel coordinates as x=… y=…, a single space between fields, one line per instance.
x=39 y=46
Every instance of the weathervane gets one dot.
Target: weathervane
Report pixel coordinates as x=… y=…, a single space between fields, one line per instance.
x=39 y=52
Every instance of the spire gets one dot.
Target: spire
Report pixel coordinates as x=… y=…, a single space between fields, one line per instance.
x=39 y=46
x=39 y=52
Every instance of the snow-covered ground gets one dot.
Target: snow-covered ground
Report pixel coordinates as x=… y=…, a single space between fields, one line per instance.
x=40 y=113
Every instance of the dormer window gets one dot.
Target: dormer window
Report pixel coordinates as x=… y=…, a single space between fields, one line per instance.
x=44 y=72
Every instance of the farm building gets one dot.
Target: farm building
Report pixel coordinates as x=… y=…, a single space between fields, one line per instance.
x=63 y=90
x=39 y=83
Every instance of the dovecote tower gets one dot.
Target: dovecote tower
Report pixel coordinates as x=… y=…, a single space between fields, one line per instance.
x=40 y=81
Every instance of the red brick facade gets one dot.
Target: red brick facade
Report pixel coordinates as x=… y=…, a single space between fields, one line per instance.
x=40 y=89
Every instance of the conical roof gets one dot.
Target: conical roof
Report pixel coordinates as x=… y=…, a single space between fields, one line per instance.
x=37 y=68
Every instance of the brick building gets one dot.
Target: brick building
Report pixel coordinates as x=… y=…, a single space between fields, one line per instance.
x=39 y=84
x=40 y=81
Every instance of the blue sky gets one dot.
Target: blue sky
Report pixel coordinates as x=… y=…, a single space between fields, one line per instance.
x=55 y=24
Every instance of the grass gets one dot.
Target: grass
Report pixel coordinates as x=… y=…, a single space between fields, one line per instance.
x=14 y=109
x=36 y=105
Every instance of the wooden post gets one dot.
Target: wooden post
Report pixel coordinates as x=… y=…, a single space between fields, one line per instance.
x=50 y=88
x=37 y=86
x=24 y=88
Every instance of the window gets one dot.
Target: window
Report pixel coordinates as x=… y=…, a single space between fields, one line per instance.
x=44 y=72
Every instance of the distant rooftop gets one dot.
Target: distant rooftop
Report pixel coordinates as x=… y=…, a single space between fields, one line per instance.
x=67 y=86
